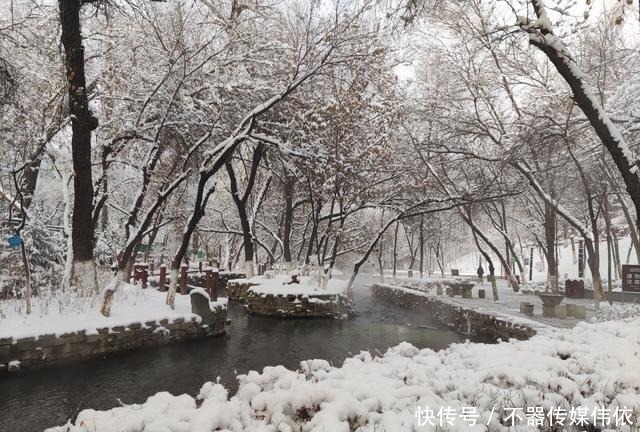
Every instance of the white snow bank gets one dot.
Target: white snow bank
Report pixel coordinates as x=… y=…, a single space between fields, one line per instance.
x=307 y=286
x=255 y=279
x=591 y=365
x=60 y=313
x=617 y=311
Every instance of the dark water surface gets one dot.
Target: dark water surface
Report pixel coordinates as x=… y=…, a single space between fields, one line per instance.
x=34 y=400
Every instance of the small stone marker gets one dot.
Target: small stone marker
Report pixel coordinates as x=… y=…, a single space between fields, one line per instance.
x=548 y=311
x=200 y=306
x=560 y=311
x=581 y=312
x=455 y=272
x=526 y=308
x=576 y=311
x=481 y=293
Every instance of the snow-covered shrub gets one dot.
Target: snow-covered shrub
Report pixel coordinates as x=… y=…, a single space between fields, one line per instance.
x=617 y=311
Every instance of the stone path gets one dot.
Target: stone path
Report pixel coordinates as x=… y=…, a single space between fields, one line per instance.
x=509 y=304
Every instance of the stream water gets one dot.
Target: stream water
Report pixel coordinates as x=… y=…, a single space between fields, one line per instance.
x=34 y=400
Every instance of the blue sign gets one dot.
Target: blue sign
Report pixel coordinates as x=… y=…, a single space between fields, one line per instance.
x=15 y=241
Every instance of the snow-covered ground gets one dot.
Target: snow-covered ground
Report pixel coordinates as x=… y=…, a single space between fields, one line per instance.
x=591 y=368
x=307 y=286
x=278 y=284
x=59 y=312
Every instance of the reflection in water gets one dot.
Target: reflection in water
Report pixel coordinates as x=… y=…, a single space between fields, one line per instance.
x=31 y=401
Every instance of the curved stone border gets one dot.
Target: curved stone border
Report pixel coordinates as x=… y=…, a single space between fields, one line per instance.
x=298 y=306
x=51 y=349
x=237 y=290
x=461 y=319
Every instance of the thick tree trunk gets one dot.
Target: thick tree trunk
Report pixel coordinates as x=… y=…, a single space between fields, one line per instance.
x=247 y=238
x=174 y=275
x=82 y=124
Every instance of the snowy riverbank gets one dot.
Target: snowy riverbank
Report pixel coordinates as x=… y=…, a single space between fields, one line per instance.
x=595 y=366
x=58 y=313
x=307 y=286
x=292 y=296
x=282 y=285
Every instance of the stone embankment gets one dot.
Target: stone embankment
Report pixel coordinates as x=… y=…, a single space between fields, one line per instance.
x=462 y=319
x=51 y=349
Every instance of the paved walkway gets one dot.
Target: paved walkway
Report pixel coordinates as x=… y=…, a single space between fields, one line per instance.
x=509 y=303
